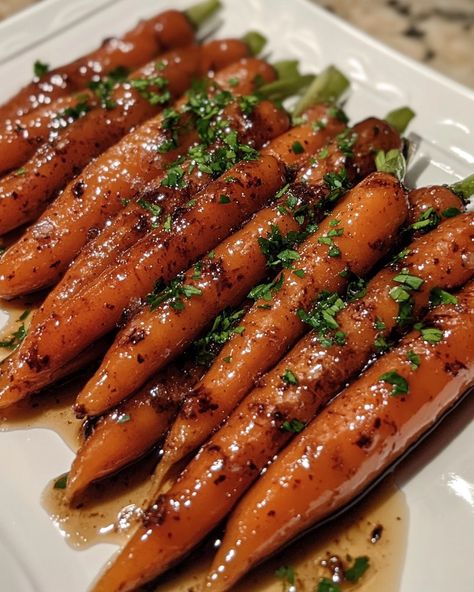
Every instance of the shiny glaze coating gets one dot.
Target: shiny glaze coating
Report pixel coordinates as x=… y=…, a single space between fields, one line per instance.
x=237 y=265
x=438 y=197
x=354 y=439
x=135 y=221
x=161 y=254
x=40 y=257
x=260 y=348
x=168 y=30
x=22 y=137
x=223 y=469
x=133 y=428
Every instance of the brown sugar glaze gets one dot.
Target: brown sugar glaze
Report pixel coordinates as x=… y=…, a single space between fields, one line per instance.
x=110 y=509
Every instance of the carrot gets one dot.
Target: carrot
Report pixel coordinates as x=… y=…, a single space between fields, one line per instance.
x=220 y=391
x=22 y=137
x=354 y=439
x=168 y=30
x=149 y=412
x=132 y=429
x=48 y=246
x=161 y=254
x=235 y=266
x=157 y=201
x=210 y=486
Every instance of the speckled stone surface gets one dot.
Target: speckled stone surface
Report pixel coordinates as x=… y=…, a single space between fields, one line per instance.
x=437 y=32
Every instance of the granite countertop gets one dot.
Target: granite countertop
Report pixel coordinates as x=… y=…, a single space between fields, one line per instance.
x=439 y=33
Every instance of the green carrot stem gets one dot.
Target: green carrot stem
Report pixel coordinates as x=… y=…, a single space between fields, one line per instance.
x=201 y=12
x=464 y=188
x=327 y=87
x=400 y=118
x=255 y=42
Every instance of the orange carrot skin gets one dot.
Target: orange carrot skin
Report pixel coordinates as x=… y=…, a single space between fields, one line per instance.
x=352 y=441
x=48 y=246
x=161 y=254
x=130 y=362
x=210 y=485
x=21 y=138
x=168 y=30
x=437 y=197
x=236 y=266
x=23 y=198
x=133 y=428
x=135 y=221
x=221 y=391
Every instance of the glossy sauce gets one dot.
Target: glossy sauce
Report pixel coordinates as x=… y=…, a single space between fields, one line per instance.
x=384 y=512
x=111 y=509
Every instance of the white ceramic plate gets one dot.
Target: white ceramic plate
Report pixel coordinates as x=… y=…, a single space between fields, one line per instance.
x=438 y=479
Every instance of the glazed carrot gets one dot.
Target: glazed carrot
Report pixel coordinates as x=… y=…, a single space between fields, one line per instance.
x=209 y=487
x=157 y=201
x=21 y=138
x=168 y=30
x=220 y=391
x=133 y=428
x=48 y=246
x=161 y=254
x=355 y=438
x=149 y=412
x=223 y=280
x=286 y=398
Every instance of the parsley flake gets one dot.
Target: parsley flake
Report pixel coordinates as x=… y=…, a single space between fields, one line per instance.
x=400 y=384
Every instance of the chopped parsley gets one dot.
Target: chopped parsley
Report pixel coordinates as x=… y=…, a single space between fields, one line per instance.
x=399 y=256
x=197 y=273
x=356 y=288
x=345 y=142
x=77 y=111
x=328 y=239
x=414 y=359
x=338 y=114
x=402 y=294
x=289 y=377
x=224 y=199
x=326 y=585
x=175 y=176
x=426 y=221
x=153 y=89
x=429 y=334
x=439 y=296
x=337 y=183
x=154 y=209
x=400 y=384
x=451 y=212
x=412 y=281
x=40 y=68
x=322 y=318
x=267 y=291
x=286 y=574
x=17 y=336
x=357 y=570
x=247 y=103
x=103 y=87
x=168 y=223
x=61 y=481
x=379 y=324
x=173 y=294
x=170 y=124
x=224 y=326
x=20 y=172
x=295 y=426
x=297 y=148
